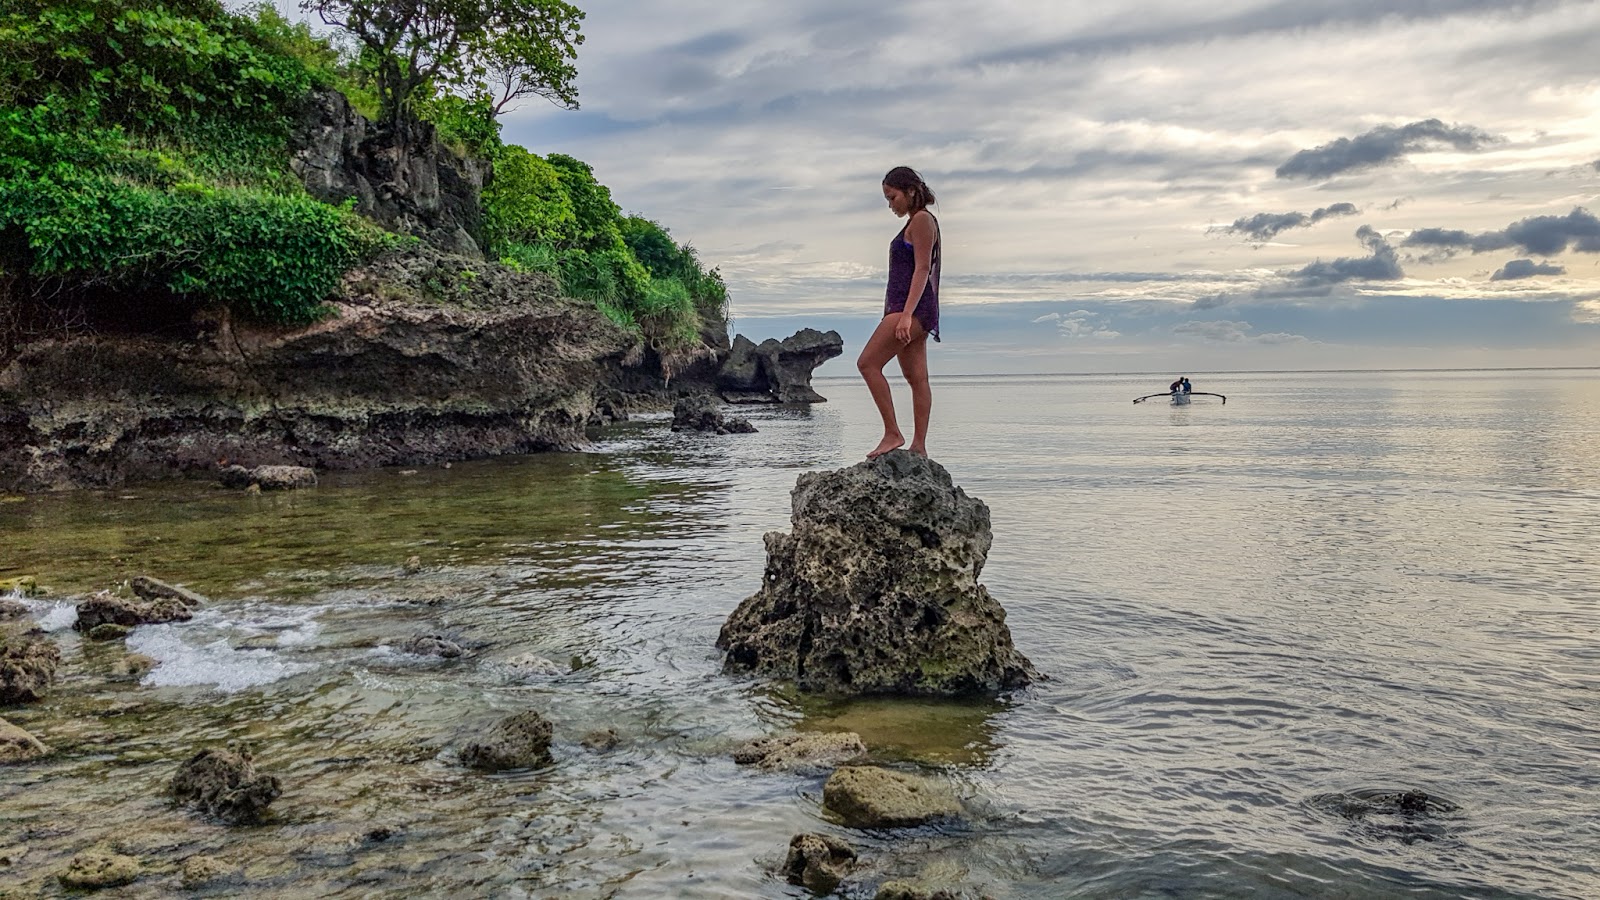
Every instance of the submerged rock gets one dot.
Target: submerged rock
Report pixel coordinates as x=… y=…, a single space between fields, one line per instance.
x=870 y=797
x=225 y=784
x=268 y=478
x=516 y=742
x=431 y=645
x=806 y=752
x=17 y=745
x=96 y=869
x=11 y=610
x=106 y=631
x=204 y=871
x=105 y=607
x=905 y=890
x=876 y=589
x=152 y=589
x=818 y=862
x=532 y=665
x=132 y=667
x=699 y=412
x=27 y=666
x=602 y=740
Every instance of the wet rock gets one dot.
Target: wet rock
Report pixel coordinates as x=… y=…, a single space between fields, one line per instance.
x=516 y=742
x=699 y=412
x=267 y=478
x=105 y=607
x=530 y=665
x=12 y=610
x=22 y=585
x=149 y=588
x=871 y=797
x=776 y=371
x=804 y=752
x=10 y=856
x=818 y=862
x=1409 y=816
x=206 y=871
x=412 y=565
x=96 y=869
x=106 y=631
x=432 y=645
x=905 y=890
x=876 y=589
x=27 y=667
x=132 y=667
x=225 y=784
x=17 y=745
x=602 y=740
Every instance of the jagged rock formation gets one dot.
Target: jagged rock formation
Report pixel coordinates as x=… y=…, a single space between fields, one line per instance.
x=818 y=862
x=876 y=589
x=400 y=176
x=515 y=742
x=700 y=412
x=105 y=608
x=777 y=371
x=27 y=667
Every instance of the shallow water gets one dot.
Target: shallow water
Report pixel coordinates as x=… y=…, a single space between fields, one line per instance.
x=1257 y=617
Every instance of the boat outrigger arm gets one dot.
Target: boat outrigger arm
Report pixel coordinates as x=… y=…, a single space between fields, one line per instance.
x=1190 y=394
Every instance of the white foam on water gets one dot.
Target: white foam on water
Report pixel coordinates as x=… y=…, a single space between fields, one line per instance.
x=181 y=663
x=52 y=615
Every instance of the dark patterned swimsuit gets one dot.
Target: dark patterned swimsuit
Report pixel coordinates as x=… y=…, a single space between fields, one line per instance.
x=902 y=266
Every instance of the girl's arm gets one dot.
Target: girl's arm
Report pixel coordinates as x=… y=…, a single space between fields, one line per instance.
x=920 y=231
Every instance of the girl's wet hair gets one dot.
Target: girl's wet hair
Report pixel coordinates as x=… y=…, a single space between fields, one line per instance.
x=905 y=178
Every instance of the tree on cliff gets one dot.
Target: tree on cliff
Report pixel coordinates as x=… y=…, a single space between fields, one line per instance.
x=500 y=50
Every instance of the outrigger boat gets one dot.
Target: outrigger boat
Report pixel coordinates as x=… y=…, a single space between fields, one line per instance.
x=1180 y=398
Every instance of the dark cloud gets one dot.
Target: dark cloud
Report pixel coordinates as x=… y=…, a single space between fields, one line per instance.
x=1263 y=227
x=1526 y=268
x=1381 y=145
x=1578 y=230
x=1382 y=265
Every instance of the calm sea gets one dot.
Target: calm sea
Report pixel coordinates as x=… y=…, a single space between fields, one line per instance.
x=1253 y=615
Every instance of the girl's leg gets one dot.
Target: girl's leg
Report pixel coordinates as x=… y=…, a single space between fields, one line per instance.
x=881 y=348
x=914 y=366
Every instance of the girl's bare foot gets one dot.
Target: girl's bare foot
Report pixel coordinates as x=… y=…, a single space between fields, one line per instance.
x=918 y=449
x=890 y=442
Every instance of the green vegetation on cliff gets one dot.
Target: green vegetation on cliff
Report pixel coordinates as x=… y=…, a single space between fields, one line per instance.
x=145 y=159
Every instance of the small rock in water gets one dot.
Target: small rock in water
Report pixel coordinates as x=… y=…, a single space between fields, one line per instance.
x=412 y=565
x=432 y=645
x=95 y=869
x=267 y=478
x=132 y=667
x=27 y=667
x=805 y=752
x=905 y=890
x=202 y=871
x=818 y=862
x=871 y=797
x=17 y=745
x=531 y=665
x=106 y=607
x=225 y=784
x=107 y=631
x=11 y=610
x=151 y=589
x=23 y=585
x=516 y=742
x=602 y=740
x=700 y=412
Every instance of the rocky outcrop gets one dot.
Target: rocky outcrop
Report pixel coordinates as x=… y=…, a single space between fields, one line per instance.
x=106 y=608
x=17 y=745
x=27 y=666
x=777 y=371
x=818 y=862
x=876 y=589
x=806 y=752
x=870 y=797
x=517 y=742
x=225 y=784
x=399 y=175
x=423 y=359
x=700 y=412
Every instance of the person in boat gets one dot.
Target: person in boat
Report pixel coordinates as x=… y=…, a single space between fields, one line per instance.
x=1177 y=386
x=1187 y=387
x=910 y=311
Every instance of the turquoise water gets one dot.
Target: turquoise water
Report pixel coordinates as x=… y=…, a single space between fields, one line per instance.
x=1251 y=613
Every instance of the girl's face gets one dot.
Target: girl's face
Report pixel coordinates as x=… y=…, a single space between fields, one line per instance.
x=899 y=201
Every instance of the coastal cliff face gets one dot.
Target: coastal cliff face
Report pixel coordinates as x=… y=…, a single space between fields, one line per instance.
x=423 y=360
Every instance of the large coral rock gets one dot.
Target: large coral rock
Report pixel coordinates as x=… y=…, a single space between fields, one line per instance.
x=92 y=870
x=818 y=862
x=516 y=742
x=105 y=607
x=777 y=371
x=27 y=666
x=225 y=784
x=876 y=590
x=870 y=797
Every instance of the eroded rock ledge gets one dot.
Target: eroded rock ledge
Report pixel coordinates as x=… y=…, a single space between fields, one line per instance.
x=876 y=589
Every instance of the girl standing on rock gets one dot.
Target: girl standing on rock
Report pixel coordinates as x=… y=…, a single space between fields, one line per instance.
x=910 y=311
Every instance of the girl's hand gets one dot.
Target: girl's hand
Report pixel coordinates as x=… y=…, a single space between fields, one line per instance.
x=902 y=328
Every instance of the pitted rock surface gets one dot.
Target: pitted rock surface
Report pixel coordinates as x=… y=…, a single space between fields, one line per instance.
x=803 y=752
x=870 y=797
x=225 y=784
x=27 y=666
x=17 y=745
x=516 y=742
x=105 y=607
x=875 y=591
x=818 y=862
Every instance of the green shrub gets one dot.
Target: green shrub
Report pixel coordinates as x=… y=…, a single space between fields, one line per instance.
x=541 y=258
x=525 y=203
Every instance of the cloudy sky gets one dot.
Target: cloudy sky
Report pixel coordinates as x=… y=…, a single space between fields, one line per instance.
x=1158 y=185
